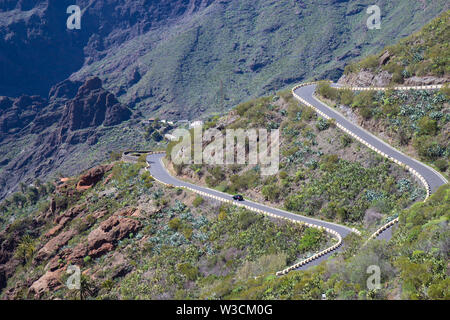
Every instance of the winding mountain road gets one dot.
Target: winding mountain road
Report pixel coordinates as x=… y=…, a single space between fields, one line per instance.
x=432 y=177
x=305 y=93
x=160 y=173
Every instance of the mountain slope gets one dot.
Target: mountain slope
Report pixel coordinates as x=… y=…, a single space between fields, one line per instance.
x=420 y=59
x=235 y=49
x=414 y=121
x=413 y=264
x=177 y=59
x=79 y=125
x=136 y=239
x=181 y=57
x=322 y=173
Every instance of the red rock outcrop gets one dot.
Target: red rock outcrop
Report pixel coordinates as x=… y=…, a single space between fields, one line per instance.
x=366 y=78
x=50 y=281
x=93 y=176
x=69 y=215
x=110 y=231
x=52 y=246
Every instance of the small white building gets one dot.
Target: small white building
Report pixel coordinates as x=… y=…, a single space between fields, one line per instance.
x=166 y=122
x=197 y=123
x=170 y=137
x=148 y=121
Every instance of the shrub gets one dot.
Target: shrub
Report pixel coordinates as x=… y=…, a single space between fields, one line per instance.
x=428 y=148
x=341 y=213
x=189 y=271
x=364 y=99
x=265 y=264
x=243 y=107
x=197 y=201
x=178 y=168
x=175 y=224
x=271 y=192
x=365 y=112
x=326 y=91
x=346 y=140
x=222 y=215
x=446 y=91
x=328 y=162
x=19 y=199
x=25 y=249
x=80 y=224
x=283 y=174
x=246 y=180
x=148 y=179
x=142 y=158
x=156 y=136
x=115 y=156
x=217 y=175
x=397 y=77
x=294 y=110
x=427 y=126
x=300 y=175
x=390 y=109
x=322 y=124
x=308 y=114
x=346 y=97
x=369 y=63
x=310 y=240
x=441 y=164
x=246 y=218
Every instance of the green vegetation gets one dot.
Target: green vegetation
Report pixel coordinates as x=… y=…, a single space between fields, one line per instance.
x=315 y=178
x=417 y=118
x=247 y=49
x=198 y=201
x=424 y=53
x=155 y=130
x=413 y=264
x=207 y=251
x=223 y=249
x=22 y=203
x=190 y=252
x=26 y=248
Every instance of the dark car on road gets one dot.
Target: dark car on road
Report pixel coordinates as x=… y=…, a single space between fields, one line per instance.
x=238 y=197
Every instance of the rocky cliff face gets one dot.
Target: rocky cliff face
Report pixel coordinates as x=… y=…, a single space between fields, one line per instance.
x=16 y=114
x=366 y=78
x=38 y=51
x=151 y=53
x=51 y=250
x=71 y=116
x=174 y=59
x=93 y=106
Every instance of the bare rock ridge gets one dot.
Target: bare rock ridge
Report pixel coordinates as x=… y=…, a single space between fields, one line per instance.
x=93 y=106
x=52 y=250
x=365 y=78
x=38 y=51
x=73 y=114
x=100 y=241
